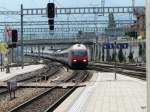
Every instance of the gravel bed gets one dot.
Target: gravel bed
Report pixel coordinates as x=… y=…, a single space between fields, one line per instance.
x=61 y=75
x=21 y=96
x=89 y=76
x=78 y=75
x=2 y=90
x=45 y=101
x=26 y=93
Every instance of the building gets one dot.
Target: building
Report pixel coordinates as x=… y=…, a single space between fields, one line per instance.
x=140 y=23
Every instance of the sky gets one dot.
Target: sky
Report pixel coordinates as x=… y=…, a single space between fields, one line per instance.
x=15 y=4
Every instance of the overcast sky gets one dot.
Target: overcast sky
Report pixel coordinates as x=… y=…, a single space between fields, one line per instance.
x=15 y=4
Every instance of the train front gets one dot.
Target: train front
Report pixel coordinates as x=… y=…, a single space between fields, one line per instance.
x=79 y=58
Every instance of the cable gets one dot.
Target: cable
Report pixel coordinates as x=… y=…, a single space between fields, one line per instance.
x=9 y=16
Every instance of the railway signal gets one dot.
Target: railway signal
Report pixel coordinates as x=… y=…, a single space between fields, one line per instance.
x=14 y=36
x=51 y=24
x=51 y=15
x=51 y=10
x=14 y=39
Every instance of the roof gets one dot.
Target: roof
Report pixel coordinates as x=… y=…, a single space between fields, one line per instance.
x=78 y=46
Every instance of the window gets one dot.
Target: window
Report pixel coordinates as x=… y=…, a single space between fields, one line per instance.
x=79 y=53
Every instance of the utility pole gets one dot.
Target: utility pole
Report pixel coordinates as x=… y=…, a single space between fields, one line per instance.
x=133 y=3
x=148 y=52
x=96 y=34
x=103 y=5
x=22 y=46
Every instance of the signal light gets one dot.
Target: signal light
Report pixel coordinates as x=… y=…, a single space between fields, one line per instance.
x=14 y=36
x=51 y=24
x=51 y=10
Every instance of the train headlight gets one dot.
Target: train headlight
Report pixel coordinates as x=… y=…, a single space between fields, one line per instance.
x=84 y=60
x=74 y=60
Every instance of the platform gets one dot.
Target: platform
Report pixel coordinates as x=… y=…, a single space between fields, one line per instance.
x=45 y=84
x=14 y=71
x=104 y=94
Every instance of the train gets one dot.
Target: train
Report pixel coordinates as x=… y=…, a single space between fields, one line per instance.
x=76 y=56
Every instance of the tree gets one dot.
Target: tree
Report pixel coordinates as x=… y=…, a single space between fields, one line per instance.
x=103 y=52
x=112 y=23
x=132 y=33
x=130 y=56
x=3 y=50
x=140 y=50
x=120 y=56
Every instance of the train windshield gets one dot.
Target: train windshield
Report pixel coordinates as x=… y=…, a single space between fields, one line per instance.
x=79 y=53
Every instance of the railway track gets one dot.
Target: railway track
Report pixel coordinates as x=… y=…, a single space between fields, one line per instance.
x=125 y=69
x=46 y=72
x=45 y=75
x=129 y=71
x=50 y=99
x=121 y=66
x=51 y=70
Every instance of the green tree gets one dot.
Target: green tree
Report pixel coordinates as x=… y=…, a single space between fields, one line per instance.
x=120 y=56
x=132 y=33
x=103 y=52
x=140 y=50
x=130 y=56
x=111 y=23
x=3 y=48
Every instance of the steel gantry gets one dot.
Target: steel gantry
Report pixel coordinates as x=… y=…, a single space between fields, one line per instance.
x=9 y=12
x=90 y=29
x=90 y=22
x=82 y=10
x=75 y=10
